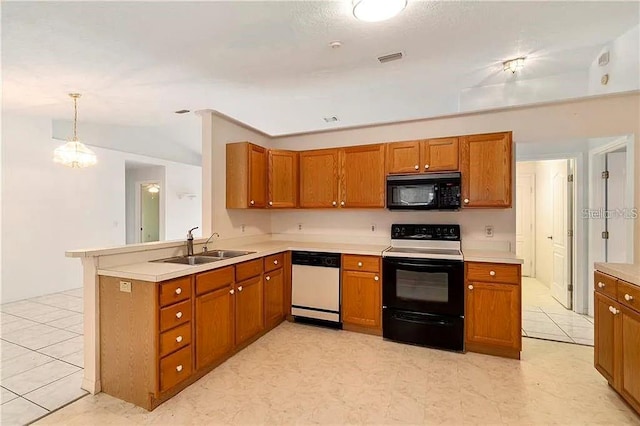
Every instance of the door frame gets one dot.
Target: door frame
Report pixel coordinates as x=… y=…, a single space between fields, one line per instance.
x=532 y=213
x=138 y=209
x=579 y=247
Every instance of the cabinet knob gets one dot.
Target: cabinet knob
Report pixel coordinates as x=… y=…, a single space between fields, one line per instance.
x=267 y=278
x=179 y=368
x=178 y=290
x=239 y=288
x=275 y=262
x=342 y=203
x=466 y=201
x=334 y=203
x=426 y=166
x=613 y=310
x=179 y=339
x=231 y=291
x=470 y=287
x=179 y=315
x=359 y=264
x=416 y=167
x=270 y=203
x=376 y=278
x=600 y=284
x=252 y=202
x=628 y=297
x=492 y=273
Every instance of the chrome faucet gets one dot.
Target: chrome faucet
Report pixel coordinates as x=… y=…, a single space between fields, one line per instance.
x=204 y=247
x=190 y=241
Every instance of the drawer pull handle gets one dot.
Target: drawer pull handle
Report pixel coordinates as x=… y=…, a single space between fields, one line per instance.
x=275 y=262
x=179 y=315
x=179 y=339
x=239 y=288
x=179 y=368
x=416 y=167
x=359 y=264
x=470 y=287
x=492 y=273
x=376 y=278
x=267 y=278
x=178 y=290
x=600 y=284
x=628 y=297
x=231 y=291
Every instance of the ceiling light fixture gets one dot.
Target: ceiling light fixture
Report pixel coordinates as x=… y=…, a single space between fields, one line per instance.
x=153 y=188
x=513 y=65
x=74 y=153
x=377 y=10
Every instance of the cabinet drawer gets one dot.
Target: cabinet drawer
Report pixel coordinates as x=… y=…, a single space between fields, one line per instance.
x=175 y=315
x=629 y=295
x=493 y=272
x=248 y=269
x=273 y=262
x=213 y=280
x=175 y=368
x=605 y=284
x=175 y=339
x=175 y=290
x=360 y=263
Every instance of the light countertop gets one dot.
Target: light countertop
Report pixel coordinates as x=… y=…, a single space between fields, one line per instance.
x=491 y=256
x=624 y=271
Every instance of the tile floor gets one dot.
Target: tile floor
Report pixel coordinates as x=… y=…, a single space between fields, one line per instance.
x=41 y=353
x=299 y=374
x=545 y=318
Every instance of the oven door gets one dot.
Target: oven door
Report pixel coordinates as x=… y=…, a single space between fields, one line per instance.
x=423 y=285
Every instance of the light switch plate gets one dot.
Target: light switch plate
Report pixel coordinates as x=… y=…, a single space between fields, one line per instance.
x=125 y=286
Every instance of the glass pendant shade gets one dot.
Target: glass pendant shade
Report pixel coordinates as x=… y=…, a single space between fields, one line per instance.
x=74 y=154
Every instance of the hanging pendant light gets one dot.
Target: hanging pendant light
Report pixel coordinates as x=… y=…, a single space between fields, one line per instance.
x=74 y=153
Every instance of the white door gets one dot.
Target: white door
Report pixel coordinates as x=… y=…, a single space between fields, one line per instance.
x=561 y=209
x=525 y=237
x=616 y=244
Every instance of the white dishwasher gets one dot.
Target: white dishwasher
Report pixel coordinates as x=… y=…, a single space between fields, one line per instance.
x=315 y=287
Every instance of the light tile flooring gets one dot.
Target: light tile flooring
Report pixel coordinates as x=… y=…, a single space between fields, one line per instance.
x=41 y=353
x=299 y=374
x=545 y=318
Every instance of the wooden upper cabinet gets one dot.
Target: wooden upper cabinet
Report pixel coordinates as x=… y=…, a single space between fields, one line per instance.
x=439 y=155
x=403 y=157
x=319 y=178
x=282 y=179
x=486 y=167
x=362 y=177
x=246 y=176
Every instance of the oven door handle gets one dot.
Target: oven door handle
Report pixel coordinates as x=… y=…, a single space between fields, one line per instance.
x=422 y=267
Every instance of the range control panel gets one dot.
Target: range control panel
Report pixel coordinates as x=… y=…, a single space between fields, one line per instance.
x=425 y=232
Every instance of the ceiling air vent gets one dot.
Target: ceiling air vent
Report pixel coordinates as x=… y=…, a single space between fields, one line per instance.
x=390 y=57
x=332 y=119
x=182 y=111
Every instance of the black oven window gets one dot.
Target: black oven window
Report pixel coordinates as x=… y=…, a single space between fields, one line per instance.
x=422 y=286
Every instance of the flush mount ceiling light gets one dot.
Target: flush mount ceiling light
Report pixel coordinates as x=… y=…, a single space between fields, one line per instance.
x=154 y=188
x=377 y=10
x=74 y=153
x=513 y=65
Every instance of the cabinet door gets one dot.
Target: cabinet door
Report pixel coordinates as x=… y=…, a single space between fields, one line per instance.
x=319 y=178
x=362 y=178
x=492 y=315
x=403 y=157
x=361 y=298
x=257 y=176
x=283 y=179
x=273 y=297
x=606 y=331
x=630 y=367
x=486 y=170
x=439 y=155
x=214 y=325
x=249 y=309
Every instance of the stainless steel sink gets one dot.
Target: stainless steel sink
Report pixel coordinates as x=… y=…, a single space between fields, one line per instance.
x=225 y=254
x=189 y=260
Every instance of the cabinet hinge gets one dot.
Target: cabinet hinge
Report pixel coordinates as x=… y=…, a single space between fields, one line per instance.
x=605 y=174
x=605 y=235
x=570 y=178
x=570 y=287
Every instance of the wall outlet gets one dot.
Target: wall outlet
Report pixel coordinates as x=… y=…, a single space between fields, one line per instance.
x=242 y=227
x=125 y=286
x=299 y=227
x=488 y=231
x=373 y=227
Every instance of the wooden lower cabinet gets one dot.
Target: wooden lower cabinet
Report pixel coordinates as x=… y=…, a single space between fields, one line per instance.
x=606 y=334
x=493 y=312
x=274 y=297
x=249 y=309
x=215 y=322
x=630 y=353
x=362 y=294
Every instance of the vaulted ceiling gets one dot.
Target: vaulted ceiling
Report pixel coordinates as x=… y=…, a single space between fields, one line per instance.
x=269 y=63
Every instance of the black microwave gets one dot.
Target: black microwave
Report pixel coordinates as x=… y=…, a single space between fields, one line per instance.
x=435 y=191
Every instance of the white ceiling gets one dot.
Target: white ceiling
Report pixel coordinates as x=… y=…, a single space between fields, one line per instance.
x=269 y=63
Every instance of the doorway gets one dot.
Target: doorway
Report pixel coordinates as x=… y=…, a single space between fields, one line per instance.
x=149 y=211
